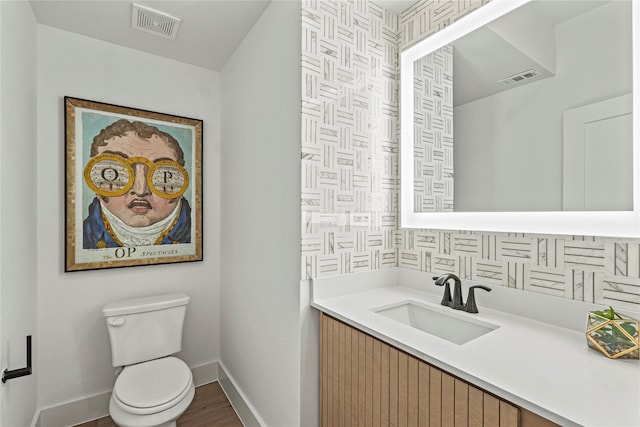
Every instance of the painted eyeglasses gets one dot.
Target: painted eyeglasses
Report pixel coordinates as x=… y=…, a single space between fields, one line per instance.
x=110 y=175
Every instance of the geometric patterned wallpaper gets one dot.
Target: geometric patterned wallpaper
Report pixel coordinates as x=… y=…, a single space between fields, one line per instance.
x=349 y=137
x=593 y=269
x=349 y=197
x=426 y=17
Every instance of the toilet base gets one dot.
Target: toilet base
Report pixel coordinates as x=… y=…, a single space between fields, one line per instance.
x=166 y=418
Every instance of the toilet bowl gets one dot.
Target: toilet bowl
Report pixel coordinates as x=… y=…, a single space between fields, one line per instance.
x=154 y=388
x=152 y=393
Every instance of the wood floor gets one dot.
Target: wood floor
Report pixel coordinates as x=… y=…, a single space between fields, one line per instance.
x=210 y=408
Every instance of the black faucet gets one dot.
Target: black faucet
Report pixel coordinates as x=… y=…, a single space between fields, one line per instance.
x=456 y=303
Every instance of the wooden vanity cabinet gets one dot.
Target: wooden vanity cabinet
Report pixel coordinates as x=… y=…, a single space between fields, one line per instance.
x=366 y=382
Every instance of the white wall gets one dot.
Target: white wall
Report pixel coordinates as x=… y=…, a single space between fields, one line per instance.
x=529 y=144
x=260 y=339
x=74 y=353
x=18 y=242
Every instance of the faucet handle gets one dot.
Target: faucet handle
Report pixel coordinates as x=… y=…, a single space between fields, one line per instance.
x=470 y=306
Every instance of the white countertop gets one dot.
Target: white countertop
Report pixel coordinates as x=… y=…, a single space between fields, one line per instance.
x=544 y=368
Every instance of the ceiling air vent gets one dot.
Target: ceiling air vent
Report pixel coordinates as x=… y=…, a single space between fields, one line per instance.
x=154 y=22
x=518 y=78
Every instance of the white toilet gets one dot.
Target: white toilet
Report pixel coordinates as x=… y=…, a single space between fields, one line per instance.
x=154 y=388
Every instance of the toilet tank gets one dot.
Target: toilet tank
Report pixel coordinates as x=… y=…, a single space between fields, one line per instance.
x=142 y=329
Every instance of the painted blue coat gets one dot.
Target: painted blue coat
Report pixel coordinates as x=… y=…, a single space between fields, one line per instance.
x=96 y=236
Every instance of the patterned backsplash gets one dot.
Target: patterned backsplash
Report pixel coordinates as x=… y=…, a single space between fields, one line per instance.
x=350 y=175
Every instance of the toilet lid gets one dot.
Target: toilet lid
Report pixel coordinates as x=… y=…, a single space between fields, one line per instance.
x=152 y=384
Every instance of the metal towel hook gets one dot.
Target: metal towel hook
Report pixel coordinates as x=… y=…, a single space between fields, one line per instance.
x=16 y=373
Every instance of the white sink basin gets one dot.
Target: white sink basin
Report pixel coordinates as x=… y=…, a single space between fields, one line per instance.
x=444 y=323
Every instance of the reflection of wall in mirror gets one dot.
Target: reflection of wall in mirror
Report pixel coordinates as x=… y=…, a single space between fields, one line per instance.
x=593 y=63
x=433 y=130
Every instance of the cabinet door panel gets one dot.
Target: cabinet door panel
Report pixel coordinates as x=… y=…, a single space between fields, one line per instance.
x=491 y=411
x=414 y=391
x=448 y=400
x=423 y=394
x=347 y=379
x=403 y=388
x=335 y=371
x=355 y=368
x=529 y=419
x=435 y=397
x=362 y=379
x=393 y=386
x=384 y=385
x=369 y=374
x=377 y=378
x=508 y=415
x=341 y=380
x=476 y=407
x=336 y=380
x=462 y=403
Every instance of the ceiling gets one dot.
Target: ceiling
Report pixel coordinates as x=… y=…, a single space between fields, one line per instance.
x=209 y=33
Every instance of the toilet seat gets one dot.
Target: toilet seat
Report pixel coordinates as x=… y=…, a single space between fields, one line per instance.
x=151 y=387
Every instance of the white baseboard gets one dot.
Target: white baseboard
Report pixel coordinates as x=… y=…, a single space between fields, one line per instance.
x=97 y=406
x=205 y=374
x=75 y=412
x=247 y=414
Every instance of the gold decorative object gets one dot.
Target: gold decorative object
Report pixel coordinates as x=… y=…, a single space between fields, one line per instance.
x=612 y=334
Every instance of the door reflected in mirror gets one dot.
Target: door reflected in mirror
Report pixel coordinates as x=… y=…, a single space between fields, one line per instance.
x=531 y=112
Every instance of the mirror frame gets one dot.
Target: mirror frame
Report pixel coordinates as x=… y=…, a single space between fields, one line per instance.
x=591 y=223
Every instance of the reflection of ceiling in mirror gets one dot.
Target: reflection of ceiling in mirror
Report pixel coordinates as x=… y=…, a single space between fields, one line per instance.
x=496 y=52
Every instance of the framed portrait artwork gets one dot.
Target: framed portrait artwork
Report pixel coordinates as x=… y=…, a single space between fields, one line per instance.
x=133 y=187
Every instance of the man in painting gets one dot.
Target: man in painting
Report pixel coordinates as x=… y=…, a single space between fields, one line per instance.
x=137 y=172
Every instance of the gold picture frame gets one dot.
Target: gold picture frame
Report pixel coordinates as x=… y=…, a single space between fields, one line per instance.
x=133 y=187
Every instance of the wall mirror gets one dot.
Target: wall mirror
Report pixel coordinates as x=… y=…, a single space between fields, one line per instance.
x=519 y=118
